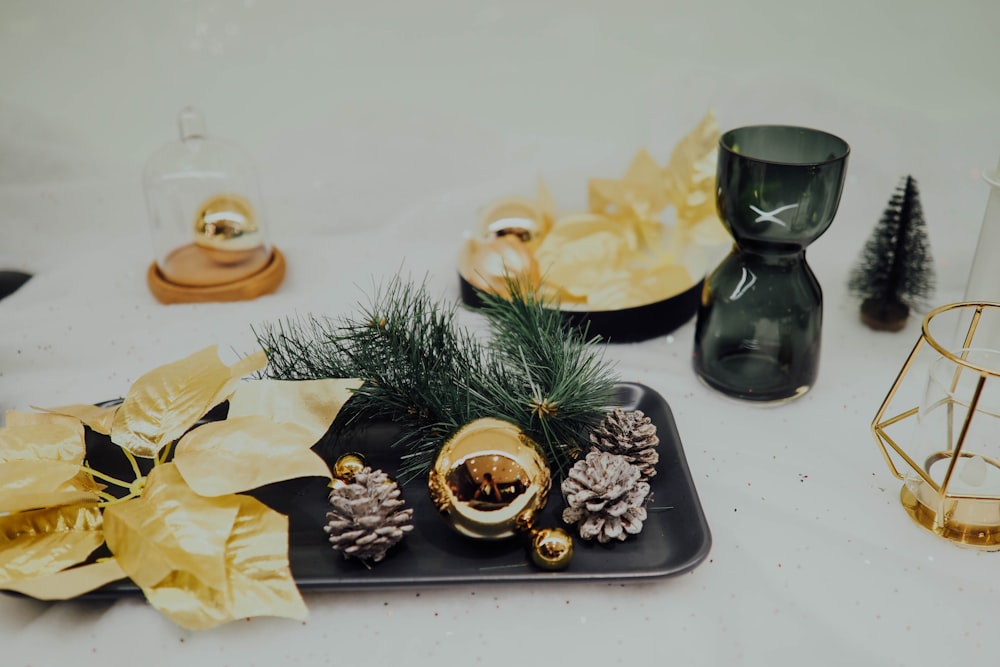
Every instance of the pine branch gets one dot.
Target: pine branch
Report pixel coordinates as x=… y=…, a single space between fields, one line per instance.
x=430 y=376
x=567 y=384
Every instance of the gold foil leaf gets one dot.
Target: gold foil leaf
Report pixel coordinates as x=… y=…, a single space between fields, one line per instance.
x=46 y=541
x=165 y=402
x=242 y=453
x=97 y=418
x=170 y=528
x=19 y=418
x=258 y=576
x=69 y=583
x=28 y=485
x=660 y=282
x=640 y=193
x=690 y=174
x=579 y=253
x=310 y=404
x=546 y=207
x=54 y=440
x=203 y=561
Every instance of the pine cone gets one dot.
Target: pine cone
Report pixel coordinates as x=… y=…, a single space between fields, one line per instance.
x=367 y=519
x=630 y=434
x=605 y=497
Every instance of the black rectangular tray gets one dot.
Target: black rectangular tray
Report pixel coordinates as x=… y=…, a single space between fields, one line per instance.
x=675 y=537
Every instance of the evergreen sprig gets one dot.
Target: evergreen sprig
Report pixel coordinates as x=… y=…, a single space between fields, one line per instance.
x=424 y=372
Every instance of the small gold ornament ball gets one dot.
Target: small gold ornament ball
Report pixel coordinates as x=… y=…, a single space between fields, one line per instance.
x=347 y=466
x=551 y=548
x=489 y=480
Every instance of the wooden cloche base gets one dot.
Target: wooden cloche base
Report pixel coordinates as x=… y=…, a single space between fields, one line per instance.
x=263 y=282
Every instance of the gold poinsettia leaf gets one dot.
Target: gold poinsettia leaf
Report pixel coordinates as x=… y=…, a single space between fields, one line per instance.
x=170 y=528
x=311 y=404
x=580 y=252
x=203 y=561
x=69 y=583
x=20 y=418
x=640 y=193
x=242 y=453
x=40 y=462
x=661 y=282
x=49 y=438
x=578 y=227
x=546 y=208
x=46 y=541
x=98 y=418
x=259 y=578
x=690 y=174
x=26 y=485
x=165 y=402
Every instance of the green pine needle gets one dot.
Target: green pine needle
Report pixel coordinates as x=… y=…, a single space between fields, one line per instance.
x=431 y=377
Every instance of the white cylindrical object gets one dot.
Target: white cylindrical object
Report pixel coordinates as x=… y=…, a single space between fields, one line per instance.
x=984 y=276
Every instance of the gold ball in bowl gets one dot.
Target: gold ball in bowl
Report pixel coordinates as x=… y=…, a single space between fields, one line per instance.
x=489 y=480
x=225 y=227
x=551 y=548
x=515 y=215
x=488 y=263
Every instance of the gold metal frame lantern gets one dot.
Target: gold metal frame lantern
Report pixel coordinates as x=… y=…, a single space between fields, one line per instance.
x=950 y=459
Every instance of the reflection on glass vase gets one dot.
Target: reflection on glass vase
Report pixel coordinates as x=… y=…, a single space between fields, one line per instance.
x=759 y=322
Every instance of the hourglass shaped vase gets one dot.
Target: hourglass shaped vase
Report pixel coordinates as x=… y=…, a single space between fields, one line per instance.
x=757 y=335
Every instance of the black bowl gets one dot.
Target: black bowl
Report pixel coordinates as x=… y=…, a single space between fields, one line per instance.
x=627 y=325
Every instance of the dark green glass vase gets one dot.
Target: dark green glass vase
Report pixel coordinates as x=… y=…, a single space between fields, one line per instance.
x=757 y=335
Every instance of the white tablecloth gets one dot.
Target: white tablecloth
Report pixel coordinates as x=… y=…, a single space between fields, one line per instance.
x=379 y=130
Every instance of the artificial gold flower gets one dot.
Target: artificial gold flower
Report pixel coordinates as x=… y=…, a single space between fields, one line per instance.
x=202 y=552
x=620 y=253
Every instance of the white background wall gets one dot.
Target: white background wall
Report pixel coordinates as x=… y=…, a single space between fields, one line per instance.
x=361 y=114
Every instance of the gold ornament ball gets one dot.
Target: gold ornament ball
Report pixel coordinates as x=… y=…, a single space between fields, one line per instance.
x=551 y=548
x=348 y=465
x=489 y=480
x=225 y=228
x=488 y=263
x=515 y=215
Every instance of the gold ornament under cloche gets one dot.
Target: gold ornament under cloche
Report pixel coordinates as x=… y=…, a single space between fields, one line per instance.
x=490 y=480
x=205 y=217
x=225 y=229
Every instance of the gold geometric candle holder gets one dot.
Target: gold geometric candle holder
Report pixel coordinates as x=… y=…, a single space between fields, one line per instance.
x=949 y=458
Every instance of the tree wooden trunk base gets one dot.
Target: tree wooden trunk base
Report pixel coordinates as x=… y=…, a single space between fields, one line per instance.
x=883 y=316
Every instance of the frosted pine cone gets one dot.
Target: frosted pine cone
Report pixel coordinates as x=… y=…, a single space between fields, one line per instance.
x=630 y=434
x=605 y=497
x=367 y=516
